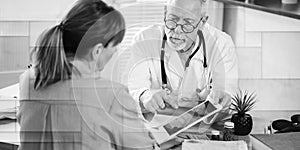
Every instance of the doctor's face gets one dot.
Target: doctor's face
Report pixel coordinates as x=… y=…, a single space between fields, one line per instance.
x=182 y=19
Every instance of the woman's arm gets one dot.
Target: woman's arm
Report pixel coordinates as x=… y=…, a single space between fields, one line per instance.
x=130 y=129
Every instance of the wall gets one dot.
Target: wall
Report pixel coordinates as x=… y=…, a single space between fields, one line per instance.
x=21 y=22
x=268 y=49
x=267 y=46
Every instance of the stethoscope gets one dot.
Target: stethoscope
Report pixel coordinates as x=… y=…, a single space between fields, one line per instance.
x=187 y=63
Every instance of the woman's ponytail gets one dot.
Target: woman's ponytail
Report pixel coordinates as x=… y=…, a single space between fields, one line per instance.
x=87 y=24
x=51 y=61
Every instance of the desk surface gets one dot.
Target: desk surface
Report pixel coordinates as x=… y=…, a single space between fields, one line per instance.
x=9 y=132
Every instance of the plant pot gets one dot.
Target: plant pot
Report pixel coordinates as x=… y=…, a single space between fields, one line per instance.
x=242 y=124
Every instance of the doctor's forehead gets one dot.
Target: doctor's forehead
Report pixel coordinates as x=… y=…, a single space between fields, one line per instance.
x=184 y=8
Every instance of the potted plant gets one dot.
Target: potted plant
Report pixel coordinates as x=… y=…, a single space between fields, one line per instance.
x=241 y=104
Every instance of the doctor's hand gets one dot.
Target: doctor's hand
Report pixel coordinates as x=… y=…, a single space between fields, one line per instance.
x=174 y=144
x=199 y=95
x=220 y=97
x=157 y=99
x=202 y=94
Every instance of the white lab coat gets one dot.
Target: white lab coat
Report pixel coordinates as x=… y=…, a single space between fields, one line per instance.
x=144 y=66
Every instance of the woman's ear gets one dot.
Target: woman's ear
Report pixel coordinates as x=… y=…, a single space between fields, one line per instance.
x=97 y=50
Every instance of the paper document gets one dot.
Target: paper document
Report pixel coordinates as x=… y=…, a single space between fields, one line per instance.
x=213 y=145
x=8 y=113
x=9 y=101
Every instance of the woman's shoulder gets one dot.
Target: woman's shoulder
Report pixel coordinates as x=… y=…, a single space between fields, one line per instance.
x=101 y=85
x=27 y=74
x=25 y=80
x=107 y=91
x=115 y=86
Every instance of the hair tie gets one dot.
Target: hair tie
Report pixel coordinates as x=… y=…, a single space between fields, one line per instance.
x=61 y=26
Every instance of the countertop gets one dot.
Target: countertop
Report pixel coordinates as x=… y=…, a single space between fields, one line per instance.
x=271 y=6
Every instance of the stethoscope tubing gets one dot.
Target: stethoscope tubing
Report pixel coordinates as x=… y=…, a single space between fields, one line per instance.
x=205 y=66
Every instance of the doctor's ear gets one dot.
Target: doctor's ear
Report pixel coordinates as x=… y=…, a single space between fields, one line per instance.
x=203 y=20
x=97 y=50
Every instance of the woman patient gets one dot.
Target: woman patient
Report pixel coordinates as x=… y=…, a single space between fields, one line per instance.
x=64 y=103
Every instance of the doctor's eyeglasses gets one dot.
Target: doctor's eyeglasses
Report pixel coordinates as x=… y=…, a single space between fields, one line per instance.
x=186 y=28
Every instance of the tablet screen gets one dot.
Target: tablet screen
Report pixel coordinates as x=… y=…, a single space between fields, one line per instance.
x=189 y=117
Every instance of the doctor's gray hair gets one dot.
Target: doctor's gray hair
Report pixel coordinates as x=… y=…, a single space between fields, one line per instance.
x=204 y=6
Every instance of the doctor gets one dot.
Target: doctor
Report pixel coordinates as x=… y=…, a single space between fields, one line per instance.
x=182 y=62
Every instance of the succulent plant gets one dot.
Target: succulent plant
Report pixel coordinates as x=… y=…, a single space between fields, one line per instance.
x=243 y=102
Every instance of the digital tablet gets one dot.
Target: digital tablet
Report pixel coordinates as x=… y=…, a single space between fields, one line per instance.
x=169 y=129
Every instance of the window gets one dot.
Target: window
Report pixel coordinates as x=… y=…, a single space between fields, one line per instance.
x=137 y=14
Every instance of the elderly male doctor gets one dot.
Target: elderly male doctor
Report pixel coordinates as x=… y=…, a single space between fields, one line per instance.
x=182 y=62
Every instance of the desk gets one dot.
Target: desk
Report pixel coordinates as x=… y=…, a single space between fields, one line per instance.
x=203 y=131
x=261 y=118
x=9 y=136
x=9 y=129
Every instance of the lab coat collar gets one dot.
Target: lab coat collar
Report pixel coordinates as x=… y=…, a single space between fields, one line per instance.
x=175 y=62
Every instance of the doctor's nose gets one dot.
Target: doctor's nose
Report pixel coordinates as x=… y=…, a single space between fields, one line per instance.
x=178 y=29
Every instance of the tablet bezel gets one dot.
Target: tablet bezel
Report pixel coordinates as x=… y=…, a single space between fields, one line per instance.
x=160 y=133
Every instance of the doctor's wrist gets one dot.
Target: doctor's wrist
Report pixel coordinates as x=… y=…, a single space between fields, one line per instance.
x=144 y=98
x=146 y=94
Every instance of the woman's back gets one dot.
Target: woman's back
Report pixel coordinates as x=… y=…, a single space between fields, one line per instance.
x=64 y=103
x=80 y=114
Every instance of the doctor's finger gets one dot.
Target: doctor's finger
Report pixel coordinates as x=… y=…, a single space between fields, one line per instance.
x=150 y=108
x=203 y=94
x=214 y=101
x=226 y=101
x=172 y=101
x=172 y=144
x=160 y=102
x=154 y=104
x=194 y=97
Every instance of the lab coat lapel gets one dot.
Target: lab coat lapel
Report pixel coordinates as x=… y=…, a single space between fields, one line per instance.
x=175 y=70
x=175 y=64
